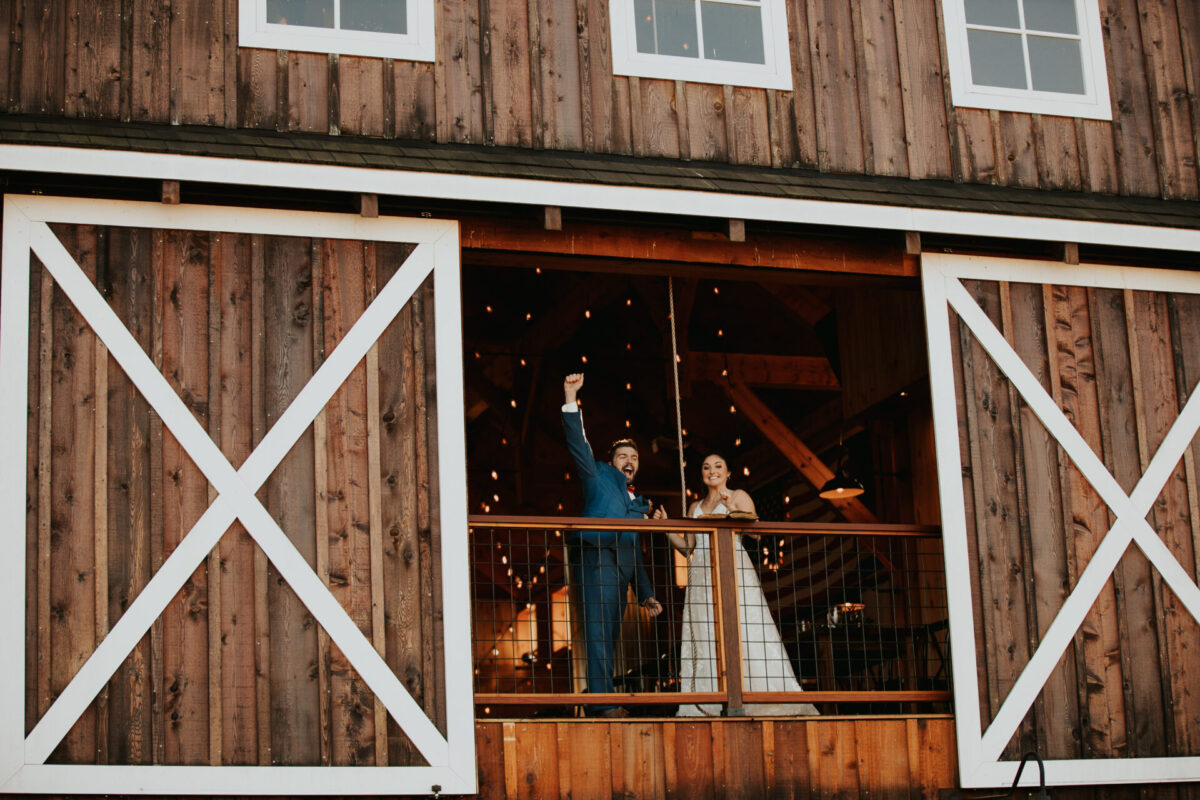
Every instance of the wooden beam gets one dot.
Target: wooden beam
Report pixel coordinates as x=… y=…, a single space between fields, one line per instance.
x=170 y=192
x=368 y=204
x=737 y=230
x=553 y=218
x=1069 y=252
x=752 y=369
x=912 y=243
x=867 y=257
x=795 y=450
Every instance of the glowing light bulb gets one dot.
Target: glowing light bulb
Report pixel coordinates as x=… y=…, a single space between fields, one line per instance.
x=583 y=359
x=503 y=559
x=587 y=314
x=787 y=499
x=737 y=442
x=627 y=423
x=489 y=309
x=628 y=387
x=538 y=270
x=716 y=290
x=477 y=354
x=522 y=362
x=496 y=498
x=720 y=332
x=495 y=475
x=628 y=302
x=733 y=409
x=513 y=403
x=528 y=317
x=745 y=471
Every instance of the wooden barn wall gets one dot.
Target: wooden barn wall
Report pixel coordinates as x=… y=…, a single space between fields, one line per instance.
x=870 y=95
x=236 y=670
x=888 y=758
x=1120 y=364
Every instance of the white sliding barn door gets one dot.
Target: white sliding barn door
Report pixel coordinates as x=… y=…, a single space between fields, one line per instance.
x=289 y=579
x=1066 y=412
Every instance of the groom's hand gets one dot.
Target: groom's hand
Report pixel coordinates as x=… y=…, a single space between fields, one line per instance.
x=571 y=386
x=652 y=606
x=660 y=513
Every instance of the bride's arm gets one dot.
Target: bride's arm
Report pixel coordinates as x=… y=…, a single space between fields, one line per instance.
x=685 y=543
x=742 y=501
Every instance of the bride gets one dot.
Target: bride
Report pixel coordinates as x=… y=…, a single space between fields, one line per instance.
x=765 y=663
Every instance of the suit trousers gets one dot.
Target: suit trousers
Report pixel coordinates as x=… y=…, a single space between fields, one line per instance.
x=601 y=578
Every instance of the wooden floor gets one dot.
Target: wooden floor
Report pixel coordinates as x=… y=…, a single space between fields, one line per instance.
x=877 y=757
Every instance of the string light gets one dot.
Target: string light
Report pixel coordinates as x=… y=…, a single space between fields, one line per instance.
x=504 y=440
x=522 y=362
x=528 y=317
x=513 y=403
x=627 y=425
x=489 y=309
x=538 y=270
x=628 y=302
x=724 y=373
x=495 y=498
x=629 y=387
x=503 y=559
x=629 y=345
x=716 y=290
x=787 y=499
x=720 y=332
x=587 y=314
x=737 y=442
x=733 y=409
x=583 y=359
x=487 y=509
x=477 y=354
x=683 y=431
x=678 y=359
x=745 y=471
x=495 y=475
x=556 y=533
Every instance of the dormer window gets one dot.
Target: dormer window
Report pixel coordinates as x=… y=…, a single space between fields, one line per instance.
x=1039 y=56
x=400 y=29
x=738 y=42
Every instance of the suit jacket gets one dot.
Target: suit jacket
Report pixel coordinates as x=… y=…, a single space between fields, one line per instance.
x=604 y=489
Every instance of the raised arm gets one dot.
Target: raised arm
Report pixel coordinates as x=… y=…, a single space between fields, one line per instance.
x=577 y=443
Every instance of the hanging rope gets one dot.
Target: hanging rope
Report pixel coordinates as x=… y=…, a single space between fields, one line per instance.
x=678 y=406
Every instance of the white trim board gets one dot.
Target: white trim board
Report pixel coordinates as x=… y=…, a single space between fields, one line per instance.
x=474 y=188
x=979 y=749
x=451 y=758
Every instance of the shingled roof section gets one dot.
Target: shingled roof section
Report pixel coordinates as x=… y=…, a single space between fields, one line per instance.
x=504 y=162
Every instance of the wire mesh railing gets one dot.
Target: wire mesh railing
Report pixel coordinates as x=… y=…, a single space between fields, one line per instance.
x=745 y=618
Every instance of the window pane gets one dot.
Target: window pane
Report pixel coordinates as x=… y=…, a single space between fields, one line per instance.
x=384 y=16
x=1056 y=16
x=666 y=27
x=732 y=33
x=310 y=13
x=996 y=59
x=1001 y=13
x=1056 y=64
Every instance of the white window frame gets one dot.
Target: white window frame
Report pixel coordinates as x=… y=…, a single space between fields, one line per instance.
x=1093 y=104
x=451 y=758
x=980 y=750
x=416 y=45
x=774 y=73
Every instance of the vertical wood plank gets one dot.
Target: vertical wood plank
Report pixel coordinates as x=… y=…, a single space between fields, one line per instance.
x=803 y=100
x=926 y=131
x=186 y=258
x=1189 y=37
x=508 y=35
x=375 y=506
x=792 y=779
x=360 y=95
x=197 y=77
x=883 y=758
x=744 y=768
x=460 y=102
x=561 y=101
x=1174 y=127
x=158 y=720
x=1144 y=715
x=151 y=78
x=46 y=381
x=537 y=760
x=72 y=466
x=489 y=749
x=704 y=108
x=609 y=135
x=320 y=272
x=1133 y=132
x=93 y=60
x=415 y=102
x=258 y=88
x=584 y=55
x=1097 y=159
x=880 y=94
x=751 y=142
x=288 y=350
x=693 y=757
x=215 y=609
x=659 y=125
x=258 y=406
x=238 y=626
x=308 y=92
x=10 y=55
x=931 y=751
x=42 y=72
x=839 y=129
x=1058 y=159
x=837 y=749
x=1016 y=160
x=1096 y=644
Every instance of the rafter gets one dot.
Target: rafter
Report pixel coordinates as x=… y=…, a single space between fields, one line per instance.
x=793 y=448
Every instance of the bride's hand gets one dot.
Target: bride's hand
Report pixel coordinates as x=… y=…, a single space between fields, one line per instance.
x=725 y=498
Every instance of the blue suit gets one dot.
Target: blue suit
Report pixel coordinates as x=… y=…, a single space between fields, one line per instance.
x=603 y=563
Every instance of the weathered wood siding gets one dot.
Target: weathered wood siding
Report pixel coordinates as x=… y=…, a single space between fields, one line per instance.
x=235 y=671
x=891 y=757
x=870 y=94
x=1120 y=364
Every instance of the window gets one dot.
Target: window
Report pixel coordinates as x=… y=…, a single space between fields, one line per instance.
x=400 y=29
x=740 y=42
x=1039 y=56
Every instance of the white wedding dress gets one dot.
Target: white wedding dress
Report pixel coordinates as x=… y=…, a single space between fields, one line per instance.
x=765 y=663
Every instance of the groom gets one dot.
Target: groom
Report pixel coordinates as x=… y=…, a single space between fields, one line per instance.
x=605 y=563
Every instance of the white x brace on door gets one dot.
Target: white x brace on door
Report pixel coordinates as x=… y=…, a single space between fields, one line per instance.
x=979 y=749
x=451 y=759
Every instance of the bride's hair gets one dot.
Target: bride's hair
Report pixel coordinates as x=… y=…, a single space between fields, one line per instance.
x=719 y=455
